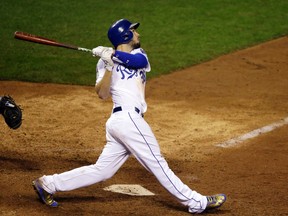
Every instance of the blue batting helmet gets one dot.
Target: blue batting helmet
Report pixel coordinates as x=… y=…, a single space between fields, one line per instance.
x=120 y=32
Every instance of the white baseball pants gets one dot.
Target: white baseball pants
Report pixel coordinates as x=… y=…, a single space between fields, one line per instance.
x=127 y=133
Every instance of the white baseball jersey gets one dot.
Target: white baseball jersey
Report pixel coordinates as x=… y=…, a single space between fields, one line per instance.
x=125 y=91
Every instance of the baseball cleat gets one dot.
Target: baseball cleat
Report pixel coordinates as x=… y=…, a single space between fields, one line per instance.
x=43 y=195
x=215 y=201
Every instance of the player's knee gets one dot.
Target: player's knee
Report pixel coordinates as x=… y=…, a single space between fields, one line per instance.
x=104 y=172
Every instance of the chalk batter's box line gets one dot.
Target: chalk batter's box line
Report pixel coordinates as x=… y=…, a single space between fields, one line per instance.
x=253 y=134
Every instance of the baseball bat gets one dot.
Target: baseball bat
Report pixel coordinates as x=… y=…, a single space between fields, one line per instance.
x=41 y=40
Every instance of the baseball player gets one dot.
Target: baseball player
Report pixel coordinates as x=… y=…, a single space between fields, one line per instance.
x=121 y=73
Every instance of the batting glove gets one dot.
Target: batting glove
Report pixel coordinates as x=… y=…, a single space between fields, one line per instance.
x=105 y=53
x=96 y=52
x=100 y=51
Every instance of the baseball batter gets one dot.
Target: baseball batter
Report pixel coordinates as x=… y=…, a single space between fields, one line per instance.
x=121 y=74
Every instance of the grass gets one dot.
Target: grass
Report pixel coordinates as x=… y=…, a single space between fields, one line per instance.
x=174 y=33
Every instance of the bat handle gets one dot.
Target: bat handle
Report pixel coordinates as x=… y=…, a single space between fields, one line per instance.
x=84 y=49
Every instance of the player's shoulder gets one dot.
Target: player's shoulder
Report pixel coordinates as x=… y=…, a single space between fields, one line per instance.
x=138 y=50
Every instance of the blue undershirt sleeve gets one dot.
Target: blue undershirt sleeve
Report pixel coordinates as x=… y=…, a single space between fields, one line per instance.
x=131 y=60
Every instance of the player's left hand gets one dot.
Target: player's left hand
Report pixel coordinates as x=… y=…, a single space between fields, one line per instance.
x=11 y=112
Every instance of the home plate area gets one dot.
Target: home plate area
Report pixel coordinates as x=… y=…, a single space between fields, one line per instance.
x=132 y=190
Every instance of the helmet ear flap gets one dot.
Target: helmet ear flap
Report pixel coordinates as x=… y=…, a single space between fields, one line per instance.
x=127 y=35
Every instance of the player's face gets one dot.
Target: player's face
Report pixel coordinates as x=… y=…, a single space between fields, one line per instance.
x=135 y=42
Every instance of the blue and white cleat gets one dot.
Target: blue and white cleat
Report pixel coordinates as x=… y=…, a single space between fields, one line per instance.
x=44 y=196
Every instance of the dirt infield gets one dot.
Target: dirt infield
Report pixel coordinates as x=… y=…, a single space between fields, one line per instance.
x=190 y=112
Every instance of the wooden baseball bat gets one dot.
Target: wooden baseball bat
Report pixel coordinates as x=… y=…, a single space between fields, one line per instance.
x=41 y=40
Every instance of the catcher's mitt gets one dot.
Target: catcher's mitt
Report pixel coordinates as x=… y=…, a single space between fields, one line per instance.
x=11 y=112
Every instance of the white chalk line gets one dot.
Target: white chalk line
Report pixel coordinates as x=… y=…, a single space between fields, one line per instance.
x=253 y=134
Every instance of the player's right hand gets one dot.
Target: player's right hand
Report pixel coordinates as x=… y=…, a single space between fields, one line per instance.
x=96 y=52
x=105 y=53
x=101 y=51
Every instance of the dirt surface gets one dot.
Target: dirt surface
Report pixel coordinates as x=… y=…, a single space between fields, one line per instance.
x=190 y=112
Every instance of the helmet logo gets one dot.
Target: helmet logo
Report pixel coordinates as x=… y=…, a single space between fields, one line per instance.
x=120 y=29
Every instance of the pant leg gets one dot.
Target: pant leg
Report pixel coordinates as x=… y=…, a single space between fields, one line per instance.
x=142 y=143
x=111 y=159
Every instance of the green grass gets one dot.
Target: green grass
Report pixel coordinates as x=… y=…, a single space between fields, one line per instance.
x=175 y=34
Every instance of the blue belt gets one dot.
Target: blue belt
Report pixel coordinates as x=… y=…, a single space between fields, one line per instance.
x=118 y=109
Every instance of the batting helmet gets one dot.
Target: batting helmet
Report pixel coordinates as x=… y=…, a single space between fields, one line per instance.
x=120 y=32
